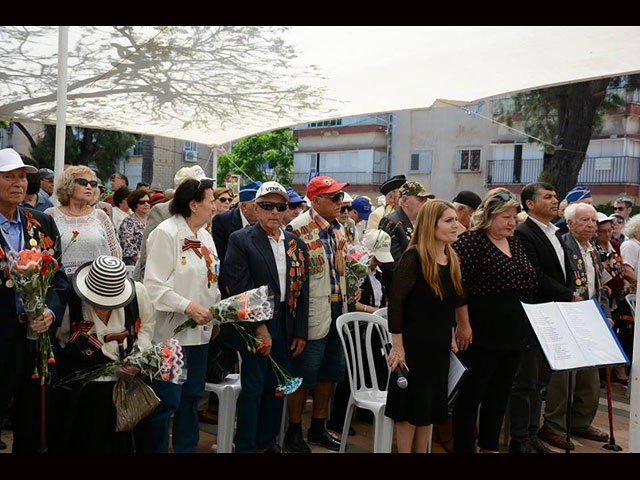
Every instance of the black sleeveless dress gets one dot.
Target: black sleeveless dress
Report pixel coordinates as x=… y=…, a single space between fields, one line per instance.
x=425 y=322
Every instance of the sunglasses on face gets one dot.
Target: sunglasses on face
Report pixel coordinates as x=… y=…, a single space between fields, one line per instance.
x=144 y=202
x=83 y=182
x=335 y=197
x=224 y=200
x=295 y=206
x=269 y=206
x=619 y=208
x=346 y=208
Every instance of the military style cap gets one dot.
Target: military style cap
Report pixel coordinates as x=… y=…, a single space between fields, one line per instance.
x=415 y=188
x=392 y=183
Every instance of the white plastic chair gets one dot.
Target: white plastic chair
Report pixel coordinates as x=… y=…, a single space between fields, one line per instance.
x=129 y=269
x=369 y=398
x=228 y=392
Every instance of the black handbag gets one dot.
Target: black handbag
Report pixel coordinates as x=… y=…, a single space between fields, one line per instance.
x=221 y=361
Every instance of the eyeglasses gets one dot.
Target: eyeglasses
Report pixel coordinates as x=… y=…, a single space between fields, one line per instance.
x=295 y=206
x=143 y=202
x=84 y=182
x=269 y=206
x=335 y=197
x=506 y=196
x=225 y=200
x=346 y=208
x=619 y=208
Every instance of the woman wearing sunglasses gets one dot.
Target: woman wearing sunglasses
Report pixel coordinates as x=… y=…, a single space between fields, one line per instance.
x=132 y=227
x=76 y=191
x=491 y=335
x=223 y=198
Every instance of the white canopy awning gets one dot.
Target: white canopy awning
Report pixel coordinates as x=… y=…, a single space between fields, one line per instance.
x=212 y=85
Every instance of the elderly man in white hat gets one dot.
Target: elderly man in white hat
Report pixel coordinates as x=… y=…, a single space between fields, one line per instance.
x=257 y=255
x=20 y=229
x=159 y=213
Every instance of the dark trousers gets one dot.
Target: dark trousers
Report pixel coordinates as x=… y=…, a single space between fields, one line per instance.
x=531 y=379
x=259 y=410
x=17 y=383
x=487 y=383
x=181 y=401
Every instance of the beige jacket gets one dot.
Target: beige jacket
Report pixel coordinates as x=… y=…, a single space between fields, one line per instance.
x=319 y=279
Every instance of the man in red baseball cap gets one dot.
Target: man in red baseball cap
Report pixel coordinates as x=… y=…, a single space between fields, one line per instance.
x=321 y=363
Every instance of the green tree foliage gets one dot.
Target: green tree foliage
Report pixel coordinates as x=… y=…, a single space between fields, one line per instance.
x=84 y=146
x=266 y=156
x=566 y=117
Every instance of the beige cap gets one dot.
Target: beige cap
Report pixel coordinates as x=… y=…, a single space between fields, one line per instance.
x=195 y=172
x=379 y=242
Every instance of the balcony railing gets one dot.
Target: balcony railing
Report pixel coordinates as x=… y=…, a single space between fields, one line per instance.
x=598 y=170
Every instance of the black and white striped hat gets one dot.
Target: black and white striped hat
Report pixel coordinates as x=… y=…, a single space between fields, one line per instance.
x=103 y=283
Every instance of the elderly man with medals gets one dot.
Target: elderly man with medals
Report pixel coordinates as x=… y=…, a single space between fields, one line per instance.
x=21 y=228
x=322 y=363
x=588 y=269
x=264 y=254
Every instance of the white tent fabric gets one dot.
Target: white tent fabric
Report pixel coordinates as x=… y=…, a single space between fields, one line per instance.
x=212 y=85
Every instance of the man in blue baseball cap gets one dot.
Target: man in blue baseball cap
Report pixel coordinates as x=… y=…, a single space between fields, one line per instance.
x=581 y=194
x=294 y=207
x=360 y=214
x=224 y=224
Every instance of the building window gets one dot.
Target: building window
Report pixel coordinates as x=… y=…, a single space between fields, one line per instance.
x=420 y=162
x=190 y=152
x=469 y=160
x=137 y=148
x=328 y=123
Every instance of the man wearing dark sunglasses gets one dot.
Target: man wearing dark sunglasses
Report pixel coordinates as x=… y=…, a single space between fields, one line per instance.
x=294 y=207
x=623 y=206
x=258 y=255
x=322 y=362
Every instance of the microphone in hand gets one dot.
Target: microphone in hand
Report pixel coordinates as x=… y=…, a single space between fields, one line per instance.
x=401 y=371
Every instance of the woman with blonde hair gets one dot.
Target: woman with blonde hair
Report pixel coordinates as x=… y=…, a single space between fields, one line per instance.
x=77 y=190
x=497 y=275
x=425 y=297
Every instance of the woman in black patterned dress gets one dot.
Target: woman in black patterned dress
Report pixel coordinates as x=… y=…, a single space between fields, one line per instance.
x=497 y=276
x=426 y=292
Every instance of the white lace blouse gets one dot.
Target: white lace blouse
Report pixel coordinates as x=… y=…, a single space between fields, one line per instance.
x=96 y=237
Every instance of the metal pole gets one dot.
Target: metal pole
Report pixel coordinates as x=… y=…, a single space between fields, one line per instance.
x=61 y=114
x=214 y=166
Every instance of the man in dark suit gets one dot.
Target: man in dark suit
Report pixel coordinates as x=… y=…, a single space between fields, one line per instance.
x=550 y=258
x=264 y=254
x=20 y=228
x=224 y=224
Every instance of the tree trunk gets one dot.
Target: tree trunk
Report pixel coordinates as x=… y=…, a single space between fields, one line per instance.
x=574 y=134
x=87 y=146
x=147 y=158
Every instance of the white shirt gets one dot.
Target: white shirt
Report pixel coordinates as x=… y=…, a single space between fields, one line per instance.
x=118 y=217
x=245 y=222
x=281 y=261
x=376 y=286
x=630 y=252
x=173 y=283
x=550 y=231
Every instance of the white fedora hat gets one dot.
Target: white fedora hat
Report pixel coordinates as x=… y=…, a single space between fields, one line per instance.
x=11 y=160
x=103 y=283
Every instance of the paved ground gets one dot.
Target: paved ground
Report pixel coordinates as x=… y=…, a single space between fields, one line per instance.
x=362 y=442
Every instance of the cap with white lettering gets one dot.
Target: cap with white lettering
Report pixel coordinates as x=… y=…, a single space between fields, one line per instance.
x=272 y=187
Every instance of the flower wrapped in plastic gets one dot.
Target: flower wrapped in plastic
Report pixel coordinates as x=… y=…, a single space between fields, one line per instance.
x=163 y=361
x=357 y=263
x=255 y=305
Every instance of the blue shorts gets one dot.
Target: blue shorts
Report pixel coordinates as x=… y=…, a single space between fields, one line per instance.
x=321 y=360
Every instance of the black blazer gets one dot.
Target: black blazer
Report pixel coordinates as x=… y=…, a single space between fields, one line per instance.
x=249 y=263
x=553 y=285
x=222 y=226
x=367 y=291
x=10 y=329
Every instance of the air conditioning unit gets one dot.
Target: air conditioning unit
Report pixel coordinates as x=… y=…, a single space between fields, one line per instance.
x=190 y=156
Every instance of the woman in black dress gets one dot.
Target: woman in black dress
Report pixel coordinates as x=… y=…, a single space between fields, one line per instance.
x=426 y=292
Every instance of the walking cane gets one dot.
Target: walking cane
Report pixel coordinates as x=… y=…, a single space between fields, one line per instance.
x=612 y=441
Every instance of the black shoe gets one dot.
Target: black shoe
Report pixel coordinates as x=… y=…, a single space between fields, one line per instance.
x=324 y=439
x=3 y=446
x=521 y=447
x=338 y=428
x=273 y=449
x=539 y=447
x=294 y=443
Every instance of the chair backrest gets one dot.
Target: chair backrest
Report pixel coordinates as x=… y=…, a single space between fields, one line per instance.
x=382 y=312
x=631 y=300
x=350 y=326
x=129 y=269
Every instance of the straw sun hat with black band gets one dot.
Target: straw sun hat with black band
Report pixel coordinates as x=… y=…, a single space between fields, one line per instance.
x=103 y=283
